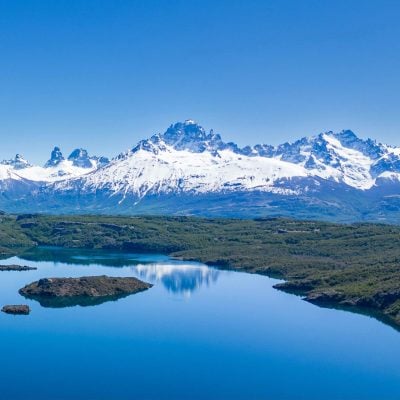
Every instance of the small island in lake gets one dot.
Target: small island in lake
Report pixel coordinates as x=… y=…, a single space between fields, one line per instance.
x=16 y=309
x=84 y=291
x=14 y=267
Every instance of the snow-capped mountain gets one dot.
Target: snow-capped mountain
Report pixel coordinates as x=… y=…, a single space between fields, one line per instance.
x=188 y=159
x=189 y=170
x=56 y=168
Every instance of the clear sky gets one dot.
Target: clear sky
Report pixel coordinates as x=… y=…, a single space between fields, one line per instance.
x=103 y=74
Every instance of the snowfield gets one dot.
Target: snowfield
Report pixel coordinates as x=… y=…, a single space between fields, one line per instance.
x=188 y=160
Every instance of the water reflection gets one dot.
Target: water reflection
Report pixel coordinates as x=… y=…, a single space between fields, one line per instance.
x=83 y=301
x=176 y=276
x=84 y=256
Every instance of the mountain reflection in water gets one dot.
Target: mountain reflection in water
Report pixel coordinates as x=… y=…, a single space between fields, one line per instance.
x=176 y=276
x=83 y=301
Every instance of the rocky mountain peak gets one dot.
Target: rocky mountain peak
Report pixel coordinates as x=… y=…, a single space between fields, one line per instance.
x=18 y=162
x=80 y=158
x=187 y=135
x=186 y=159
x=55 y=158
x=368 y=147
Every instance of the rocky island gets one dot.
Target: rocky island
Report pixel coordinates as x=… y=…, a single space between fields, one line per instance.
x=16 y=309
x=14 y=267
x=84 y=291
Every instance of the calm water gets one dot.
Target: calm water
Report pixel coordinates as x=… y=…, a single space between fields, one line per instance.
x=199 y=333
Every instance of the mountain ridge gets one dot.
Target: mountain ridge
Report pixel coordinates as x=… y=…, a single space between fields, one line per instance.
x=188 y=163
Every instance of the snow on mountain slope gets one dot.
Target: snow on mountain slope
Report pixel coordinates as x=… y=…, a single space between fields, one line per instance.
x=390 y=176
x=186 y=159
x=56 y=169
x=7 y=172
x=345 y=165
x=63 y=170
x=172 y=171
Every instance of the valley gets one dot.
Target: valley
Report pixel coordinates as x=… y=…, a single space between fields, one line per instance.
x=353 y=266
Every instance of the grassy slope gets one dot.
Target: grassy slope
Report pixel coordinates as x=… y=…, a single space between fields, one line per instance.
x=355 y=266
x=12 y=238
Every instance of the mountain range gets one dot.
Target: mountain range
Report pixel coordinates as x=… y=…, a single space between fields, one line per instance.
x=187 y=170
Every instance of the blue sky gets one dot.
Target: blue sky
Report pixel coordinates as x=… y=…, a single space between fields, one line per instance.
x=104 y=74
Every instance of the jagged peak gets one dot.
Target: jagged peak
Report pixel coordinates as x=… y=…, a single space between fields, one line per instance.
x=320 y=152
x=18 y=162
x=56 y=158
x=78 y=153
x=187 y=135
x=186 y=132
x=347 y=134
x=80 y=158
x=332 y=156
x=191 y=136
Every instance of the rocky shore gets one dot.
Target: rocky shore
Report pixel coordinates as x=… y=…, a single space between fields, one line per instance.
x=16 y=309
x=84 y=291
x=14 y=267
x=384 y=305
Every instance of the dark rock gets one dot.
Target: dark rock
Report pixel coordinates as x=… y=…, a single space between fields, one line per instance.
x=296 y=287
x=14 y=267
x=55 y=159
x=384 y=299
x=16 y=309
x=80 y=158
x=85 y=291
x=328 y=296
x=379 y=300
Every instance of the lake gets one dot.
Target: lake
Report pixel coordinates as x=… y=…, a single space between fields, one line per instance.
x=199 y=333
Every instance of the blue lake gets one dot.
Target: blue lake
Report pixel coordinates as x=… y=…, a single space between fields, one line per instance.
x=199 y=333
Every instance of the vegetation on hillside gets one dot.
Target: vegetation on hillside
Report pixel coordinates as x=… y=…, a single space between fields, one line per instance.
x=13 y=239
x=355 y=266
